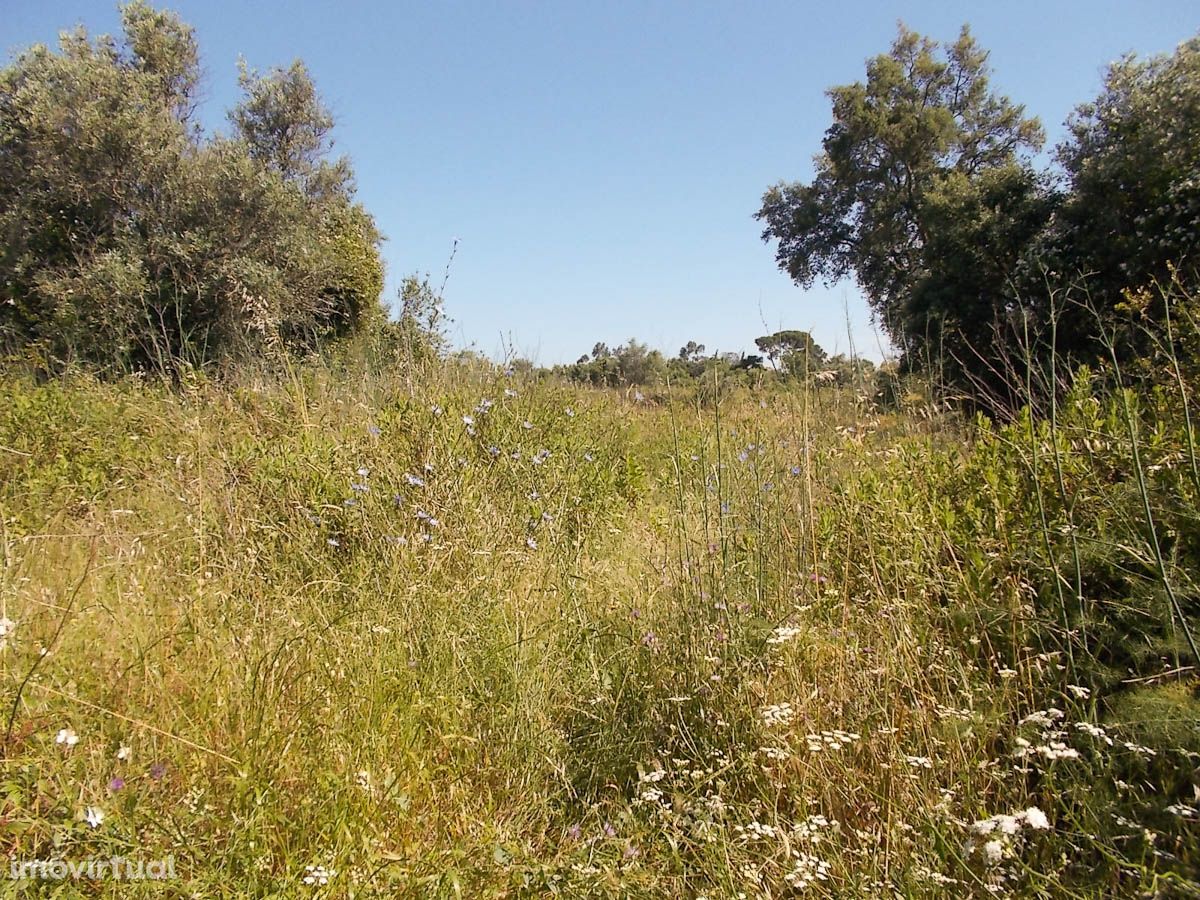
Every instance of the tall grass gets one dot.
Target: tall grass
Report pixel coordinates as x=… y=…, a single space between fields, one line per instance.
x=450 y=632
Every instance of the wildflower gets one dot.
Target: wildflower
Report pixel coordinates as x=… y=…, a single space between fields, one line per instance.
x=317 y=875
x=94 y=816
x=493 y=451
x=777 y=754
x=116 y=783
x=1137 y=748
x=794 y=470
x=570 y=412
x=650 y=639
x=1035 y=819
x=363 y=472
x=650 y=795
x=1058 y=750
x=158 y=770
x=531 y=543
x=783 y=634
x=653 y=776
x=919 y=762
x=373 y=430
x=124 y=752
x=777 y=714
x=1095 y=731
x=363 y=779
x=469 y=421
x=756 y=831
x=805 y=870
x=994 y=851
x=67 y=738
x=587 y=457
x=541 y=456
x=575 y=832
x=359 y=487
x=484 y=405
x=7 y=627
x=1184 y=812
x=413 y=480
x=435 y=409
x=510 y=393
x=1079 y=692
x=333 y=542
x=1005 y=672
x=638 y=396
x=1043 y=718
x=527 y=425
x=608 y=830
x=831 y=740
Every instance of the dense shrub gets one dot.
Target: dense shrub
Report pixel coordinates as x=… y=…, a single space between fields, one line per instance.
x=131 y=240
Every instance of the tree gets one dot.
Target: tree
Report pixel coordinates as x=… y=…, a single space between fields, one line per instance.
x=691 y=352
x=925 y=122
x=1131 y=213
x=797 y=350
x=286 y=127
x=129 y=239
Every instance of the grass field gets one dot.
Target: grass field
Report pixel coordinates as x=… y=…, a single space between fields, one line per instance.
x=459 y=633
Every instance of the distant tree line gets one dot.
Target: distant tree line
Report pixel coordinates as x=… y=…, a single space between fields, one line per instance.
x=130 y=239
x=784 y=355
x=979 y=264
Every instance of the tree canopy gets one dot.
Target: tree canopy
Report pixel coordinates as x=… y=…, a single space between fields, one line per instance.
x=129 y=239
x=926 y=193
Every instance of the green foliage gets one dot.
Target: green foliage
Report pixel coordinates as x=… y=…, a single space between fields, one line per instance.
x=988 y=275
x=134 y=242
x=1130 y=217
x=630 y=364
x=925 y=115
x=800 y=355
x=598 y=647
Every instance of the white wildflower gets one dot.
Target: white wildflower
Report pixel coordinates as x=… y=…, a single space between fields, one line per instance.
x=783 y=634
x=317 y=875
x=994 y=851
x=777 y=714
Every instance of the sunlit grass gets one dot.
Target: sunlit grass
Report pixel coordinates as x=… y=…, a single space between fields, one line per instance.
x=464 y=633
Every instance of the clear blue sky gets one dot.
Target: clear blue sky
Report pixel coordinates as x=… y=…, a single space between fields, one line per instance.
x=601 y=162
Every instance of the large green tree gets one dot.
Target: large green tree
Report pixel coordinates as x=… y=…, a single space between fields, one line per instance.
x=1130 y=215
x=910 y=152
x=129 y=239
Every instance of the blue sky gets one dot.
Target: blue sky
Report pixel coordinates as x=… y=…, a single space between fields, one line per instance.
x=601 y=162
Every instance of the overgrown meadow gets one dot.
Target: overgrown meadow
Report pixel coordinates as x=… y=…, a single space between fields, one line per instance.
x=459 y=633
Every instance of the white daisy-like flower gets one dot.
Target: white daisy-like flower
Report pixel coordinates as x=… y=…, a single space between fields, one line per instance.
x=66 y=737
x=94 y=816
x=124 y=752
